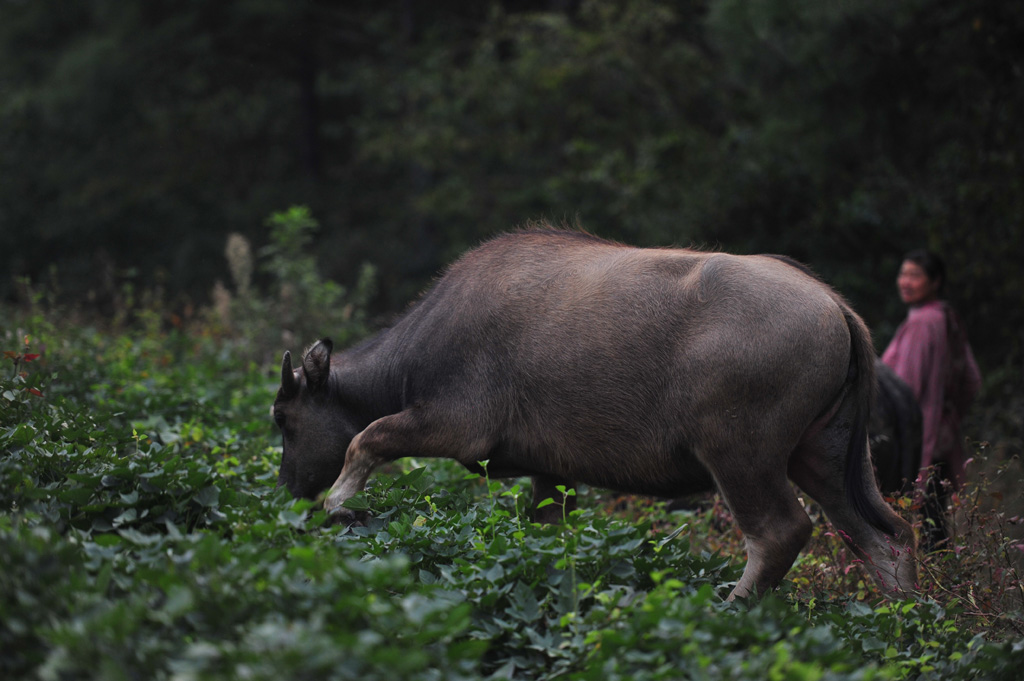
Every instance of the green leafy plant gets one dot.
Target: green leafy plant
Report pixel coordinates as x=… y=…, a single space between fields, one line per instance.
x=299 y=305
x=144 y=536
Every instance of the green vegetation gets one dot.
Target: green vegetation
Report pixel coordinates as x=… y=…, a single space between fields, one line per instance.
x=143 y=536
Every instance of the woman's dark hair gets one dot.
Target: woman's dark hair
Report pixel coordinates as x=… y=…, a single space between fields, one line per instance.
x=932 y=265
x=956 y=335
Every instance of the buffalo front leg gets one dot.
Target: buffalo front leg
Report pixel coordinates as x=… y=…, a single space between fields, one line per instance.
x=386 y=439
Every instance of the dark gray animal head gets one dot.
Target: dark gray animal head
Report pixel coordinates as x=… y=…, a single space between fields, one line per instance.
x=315 y=430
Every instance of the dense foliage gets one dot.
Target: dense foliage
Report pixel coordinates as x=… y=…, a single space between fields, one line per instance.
x=143 y=536
x=137 y=135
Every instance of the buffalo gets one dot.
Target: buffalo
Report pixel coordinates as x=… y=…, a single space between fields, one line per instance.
x=562 y=356
x=895 y=433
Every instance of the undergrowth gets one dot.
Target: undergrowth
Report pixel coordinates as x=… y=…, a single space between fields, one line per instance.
x=143 y=536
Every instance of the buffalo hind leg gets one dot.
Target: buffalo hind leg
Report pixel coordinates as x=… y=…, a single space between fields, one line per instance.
x=545 y=487
x=818 y=468
x=774 y=525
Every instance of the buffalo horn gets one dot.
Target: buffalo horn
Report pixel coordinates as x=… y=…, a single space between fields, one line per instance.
x=289 y=386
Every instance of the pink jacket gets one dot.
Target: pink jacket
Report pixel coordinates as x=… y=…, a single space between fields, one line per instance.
x=931 y=354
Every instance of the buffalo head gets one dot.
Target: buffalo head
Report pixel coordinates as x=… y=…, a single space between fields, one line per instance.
x=315 y=431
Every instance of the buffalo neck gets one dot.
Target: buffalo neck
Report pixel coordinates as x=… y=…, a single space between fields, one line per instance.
x=368 y=378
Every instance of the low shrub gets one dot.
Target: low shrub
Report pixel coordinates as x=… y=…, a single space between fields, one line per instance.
x=143 y=536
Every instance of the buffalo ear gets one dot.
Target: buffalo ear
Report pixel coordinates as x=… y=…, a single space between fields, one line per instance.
x=289 y=384
x=317 y=364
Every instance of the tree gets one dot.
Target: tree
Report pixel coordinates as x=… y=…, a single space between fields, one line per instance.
x=139 y=134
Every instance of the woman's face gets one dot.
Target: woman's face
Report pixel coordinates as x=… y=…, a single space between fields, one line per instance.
x=914 y=285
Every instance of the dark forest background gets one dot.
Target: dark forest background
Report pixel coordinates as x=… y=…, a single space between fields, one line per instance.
x=135 y=135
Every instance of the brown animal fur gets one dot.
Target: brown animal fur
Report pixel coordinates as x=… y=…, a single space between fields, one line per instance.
x=569 y=358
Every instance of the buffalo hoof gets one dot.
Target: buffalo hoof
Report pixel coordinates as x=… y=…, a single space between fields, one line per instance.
x=346 y=516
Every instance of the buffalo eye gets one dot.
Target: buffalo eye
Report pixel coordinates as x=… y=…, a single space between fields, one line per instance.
x=279 y=419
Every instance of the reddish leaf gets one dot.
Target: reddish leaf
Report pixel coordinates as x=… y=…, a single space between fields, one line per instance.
x=29 y=358
x=35 y=391
x=10 y=354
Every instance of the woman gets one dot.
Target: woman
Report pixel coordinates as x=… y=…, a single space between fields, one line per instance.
x=931 y=354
